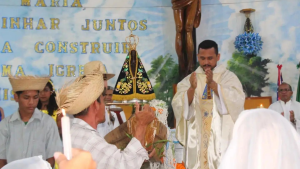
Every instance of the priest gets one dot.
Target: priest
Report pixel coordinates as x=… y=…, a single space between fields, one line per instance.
x=206 y=105
x=288 y=108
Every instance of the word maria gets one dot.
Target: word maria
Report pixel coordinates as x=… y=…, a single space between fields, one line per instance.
x=51 y=3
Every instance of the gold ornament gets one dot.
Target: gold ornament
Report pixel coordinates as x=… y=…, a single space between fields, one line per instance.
x=132 y=41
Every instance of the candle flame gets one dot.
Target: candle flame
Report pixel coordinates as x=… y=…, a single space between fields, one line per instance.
x=63 y=112
x=261 y=105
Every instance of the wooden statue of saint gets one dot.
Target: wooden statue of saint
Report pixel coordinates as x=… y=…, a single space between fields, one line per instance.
x=187 y=15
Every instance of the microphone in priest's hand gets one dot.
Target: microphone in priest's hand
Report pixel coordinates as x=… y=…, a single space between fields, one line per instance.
x=208 y=73
x=66 y=135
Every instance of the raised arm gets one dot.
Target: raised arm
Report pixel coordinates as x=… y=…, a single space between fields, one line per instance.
x=191 y=90
x=134 y=155
x=144 y=118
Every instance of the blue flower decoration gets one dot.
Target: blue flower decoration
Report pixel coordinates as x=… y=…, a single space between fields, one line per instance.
x=248 y=43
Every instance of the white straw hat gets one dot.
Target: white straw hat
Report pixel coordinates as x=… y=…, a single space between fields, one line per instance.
x=97 y=66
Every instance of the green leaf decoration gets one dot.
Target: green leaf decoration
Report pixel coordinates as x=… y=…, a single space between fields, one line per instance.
x=129 y=135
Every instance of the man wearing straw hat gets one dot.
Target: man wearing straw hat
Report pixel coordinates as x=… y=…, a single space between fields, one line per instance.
x=108 y=125
x=84 y=99
x=28 y=132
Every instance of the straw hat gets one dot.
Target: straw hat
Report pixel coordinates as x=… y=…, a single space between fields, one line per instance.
x=97 y=66
x=23 y=83
x=81 y=93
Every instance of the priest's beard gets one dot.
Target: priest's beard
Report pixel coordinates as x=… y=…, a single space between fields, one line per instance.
x=205 y=67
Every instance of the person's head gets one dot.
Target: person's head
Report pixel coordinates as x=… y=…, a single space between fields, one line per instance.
x=27 y=100
x=84 y=97
x=26 y=91
x=108 y=94
x=262 y=138
x=95 y=111
x=47 y=96
x=285 y=92
x=208 y=54
x=47 y=92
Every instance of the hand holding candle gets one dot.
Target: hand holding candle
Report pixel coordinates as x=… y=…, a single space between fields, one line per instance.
x=65 y=123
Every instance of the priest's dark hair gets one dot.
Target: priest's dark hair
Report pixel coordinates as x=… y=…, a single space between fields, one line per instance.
x=207 y=44
x=52 y=105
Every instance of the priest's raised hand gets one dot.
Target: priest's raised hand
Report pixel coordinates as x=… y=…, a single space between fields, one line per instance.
x=191 y=90
x=193 y=80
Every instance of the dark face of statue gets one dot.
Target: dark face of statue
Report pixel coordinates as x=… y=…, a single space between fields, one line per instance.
x=133 y=52
x=208 y=58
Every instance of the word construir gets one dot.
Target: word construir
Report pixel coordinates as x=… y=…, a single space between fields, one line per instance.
x=81 y=47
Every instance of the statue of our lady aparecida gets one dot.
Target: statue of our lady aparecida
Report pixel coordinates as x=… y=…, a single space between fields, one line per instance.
x=133 y=84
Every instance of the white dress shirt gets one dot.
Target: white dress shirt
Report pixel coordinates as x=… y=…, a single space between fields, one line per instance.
x=285 y=108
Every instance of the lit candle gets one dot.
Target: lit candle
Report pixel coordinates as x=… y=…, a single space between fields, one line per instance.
x=65 y=124
x=261 y=106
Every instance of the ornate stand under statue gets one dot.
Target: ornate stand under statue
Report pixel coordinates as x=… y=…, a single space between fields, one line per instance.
x=187 y=15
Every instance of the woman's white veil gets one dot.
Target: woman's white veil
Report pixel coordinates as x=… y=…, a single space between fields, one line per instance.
x=262 y=139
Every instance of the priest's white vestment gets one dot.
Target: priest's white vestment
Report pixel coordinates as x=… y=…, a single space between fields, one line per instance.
x=194 y=129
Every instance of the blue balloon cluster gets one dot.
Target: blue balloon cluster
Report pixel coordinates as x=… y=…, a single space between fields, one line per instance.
x=248 y=43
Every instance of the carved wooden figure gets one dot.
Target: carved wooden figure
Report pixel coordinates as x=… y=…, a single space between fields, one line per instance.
x=187 y=15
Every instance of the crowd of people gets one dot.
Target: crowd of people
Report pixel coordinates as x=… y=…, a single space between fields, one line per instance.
x=208 y=104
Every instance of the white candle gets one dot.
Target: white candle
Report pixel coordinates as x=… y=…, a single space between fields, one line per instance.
x=65 y=124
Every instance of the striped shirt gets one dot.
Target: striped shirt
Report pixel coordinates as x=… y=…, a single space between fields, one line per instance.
x=106 y=155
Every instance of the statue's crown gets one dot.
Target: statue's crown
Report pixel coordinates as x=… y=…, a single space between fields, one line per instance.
x=132 y=41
